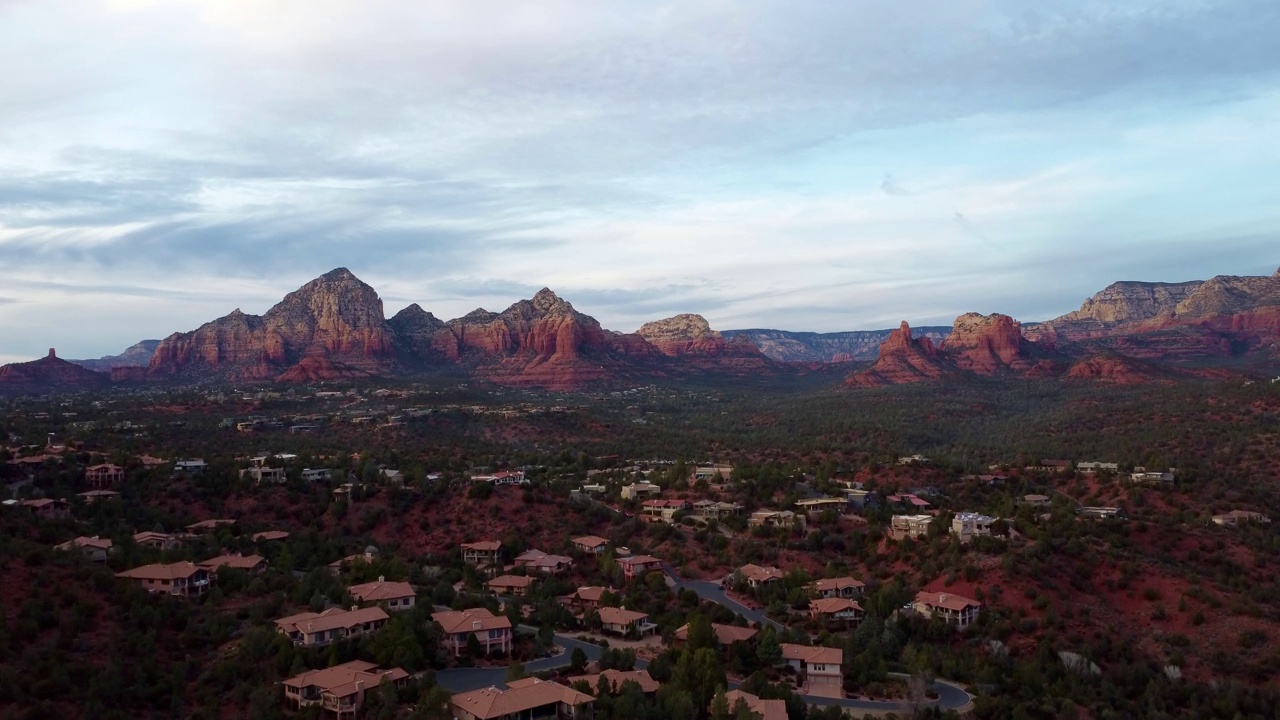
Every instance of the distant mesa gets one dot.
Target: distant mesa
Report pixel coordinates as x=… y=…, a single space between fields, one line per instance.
x=50 y=373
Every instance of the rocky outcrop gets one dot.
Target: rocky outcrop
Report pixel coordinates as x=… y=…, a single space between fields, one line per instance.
x=422 y=336
x=1115 y=369
x=137 y=355
x=335 y=316
x=47 y=374
x=683 y=335
x=836 y=347
x=990 y=344
x=903 y=359
x=1130 y=302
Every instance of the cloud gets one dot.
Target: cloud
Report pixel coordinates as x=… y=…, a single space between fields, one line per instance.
x=890 y=187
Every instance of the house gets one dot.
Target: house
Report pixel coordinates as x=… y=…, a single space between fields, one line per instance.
x=1143 y=476
x=715 y=473
x=837 y=610
x=909 y=526
x=615 y=679
x=586 y=599
x=542 y=563
x=758 y=577
x=913 y=460
x=368 y=556
x=95 y=548
x=393 y=596
x=591 y=544
x=968 y=525
x=210 y=525
x=726 y=635
x=180 y=578
x=503 y=478
x=484 y=555
x=909 y=501
x=634 y=566
x=817 y=667
x=954 y=609
x=255 y=564
x=776 y=518
x=860 y=499
x=194 y=466
x=92 y=496
x=663 y=509
x=1051 y=466
x=270 y=536
x=1100 y=513
x=157 y=540
x=814 y=507
x=1036 y=500
x=621 y=621
x=713 y=510
x=260 y=474
x=527 y=698
x=517 y=585
x=840 y=587
x=317 y=474
x=310 y=629
x=103 y=476
x=1095 y=467
x=766 y=709
x=492 y=632
x=637 y=491
x=1239 y=517
x=48 y=508
x=340 y=690
x=394 y=478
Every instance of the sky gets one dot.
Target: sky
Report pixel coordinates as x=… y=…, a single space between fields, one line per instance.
x=804 y=165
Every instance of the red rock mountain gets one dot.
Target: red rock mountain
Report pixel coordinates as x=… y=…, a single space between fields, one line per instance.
x=903 y=359
x=335 y=322
x=990 y=344
x=49 y=373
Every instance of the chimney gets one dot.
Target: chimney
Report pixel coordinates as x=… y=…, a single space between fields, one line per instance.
x=475 y=624
x=382 y=578
x=355 y=608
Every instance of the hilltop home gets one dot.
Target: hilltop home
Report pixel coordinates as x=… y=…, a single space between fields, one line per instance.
x=1100 y=513
x=586 y=599
x=1145 y=477
x=1239 y=517
x=815 y=506
x=317 y=474
x=712 y=510
x=95 y=548
x=968 y=525
x=591 y=544
x=255 y=564
x=841 y=587
x=517 y=585
x=817 y=667
x=483 y=555
x=92 y=496
x=842 y=611
x=954 y=609
x=103 y=476
x=711 y=473
x=260 y=474
x=340 y=690
x=310 y=629
x=48 y=508
x=393 y=596
x=1094 y=467
x=909 y=501
x=194 y=466
x=493 y=632
x=503 y=478
x=184 y=579
x=726 y=635
x=542 y=563
x=636 y=491
x=522 y=700
x=758 y=577
x=1036 y=500
x=663 y=509
x=766 y=709
x=621 y=621
x=157 y=540
x=615 y=679
x=210 y=525
x=636 y=565
x=776 y=518
x=1051 y=466
x=909 y=526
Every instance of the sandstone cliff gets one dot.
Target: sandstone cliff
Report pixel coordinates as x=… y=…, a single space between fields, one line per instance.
x=137 y=355
x=49 y=373
x=989 y=344
x=903 y=359
x=835 y=347
x=335 y=316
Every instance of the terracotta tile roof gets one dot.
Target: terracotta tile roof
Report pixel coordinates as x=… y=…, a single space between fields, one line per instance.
x=725 y=634
x=483 y=545
x=759 y=574
x=950 y=601
x=270 y=535
x=211 y=524
x=97 y=493
x=837 y=584
x=172 y=571
x=766 y=709
x=340 y=680
x=380 y=590
x=639 y=560
x=93 y=543
x=589 y=594
x=590 y=541
x=239 y=562
x=331 y=619
x=830 y=606
x=620 y=616
x=617 y=678
x=510 y=581
x=811 y=654
x=474 y=620
x=148 y=536
x=521 y=696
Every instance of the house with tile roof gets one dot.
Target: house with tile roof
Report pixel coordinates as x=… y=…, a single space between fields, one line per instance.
x=634 y=566
x=340 y=690
x=840 y=587
x=95 y=548
x=615 y=679
x=621 y=621
x=819 y=668
x=726 y=635
x=184 y=579
x=954 y=609
x=517 y=585
x=591 y=544
x=255 y=564
x=103 y=476
x=393 y=596
x=527 y=698
x=766 y=709
x=311 y=629
x=493 y=632
x=758 y=577
x=837 y=611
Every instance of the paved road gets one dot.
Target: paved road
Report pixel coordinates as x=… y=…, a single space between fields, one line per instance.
x=713 y=592
x=464 y=679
